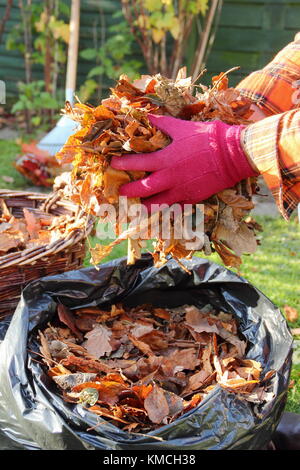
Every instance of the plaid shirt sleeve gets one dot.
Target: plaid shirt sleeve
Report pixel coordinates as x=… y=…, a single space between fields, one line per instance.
x=273 y=143
x=276 y=87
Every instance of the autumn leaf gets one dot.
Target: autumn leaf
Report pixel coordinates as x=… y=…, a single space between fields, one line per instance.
x=290 y=313
x=156 y=405
x=132 y=127
x=141 y=329
x=66 y=316
x=144 y=347
x=68 y=381
x=295 y=331
x=33 y=224
x=9 y=241
x=98 y=341
x=175 y=403
x=159 y=140
x=102 y=113
x=197 y=380
x=155 y=339
x=145 y=84
x=113 y=180
x=142 y=390
x=162 y=313
x=220 y=81
x=190 y=110
x=198 y=322
x=140 y=145
x=99 y=252
x=85 y=322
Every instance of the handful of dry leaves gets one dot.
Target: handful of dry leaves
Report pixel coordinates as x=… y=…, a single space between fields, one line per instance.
x=119 y=125
x=143 y=367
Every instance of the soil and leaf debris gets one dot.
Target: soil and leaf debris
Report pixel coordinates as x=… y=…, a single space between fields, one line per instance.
x=119 y=125
x=143 y=367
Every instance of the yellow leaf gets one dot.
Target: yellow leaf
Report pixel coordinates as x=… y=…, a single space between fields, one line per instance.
x=153 y=5
x=59 y=29
x=202 y=5
x=175 y=28
x=143 y=21
x=40 y=25
x=99 y=252
x=157 y=35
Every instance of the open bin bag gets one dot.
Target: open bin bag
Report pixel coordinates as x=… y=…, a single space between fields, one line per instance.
x=34 y=416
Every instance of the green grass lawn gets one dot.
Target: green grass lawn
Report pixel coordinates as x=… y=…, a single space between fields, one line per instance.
x=8 y=152
x=274 y=268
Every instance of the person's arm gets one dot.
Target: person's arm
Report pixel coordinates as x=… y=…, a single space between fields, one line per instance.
x=272 y=146
x=275 y=88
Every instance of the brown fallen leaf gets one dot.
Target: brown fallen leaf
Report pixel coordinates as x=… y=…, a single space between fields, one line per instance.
x=8 y=242
x=45 y=351
x=33 y=224
x=295 y=331
x=162 y=313
x=156 y=405
x=290 y=313
x=198 y=322
x=175 y=403
x=179 y=360
x=85 y=322
x=98 y=410
x=113 y=180
x=197 y=380
x=141 y=329
x=66 y=316
x=98 y=341
x=144 y=347
x=155 y=339
x=85 y=365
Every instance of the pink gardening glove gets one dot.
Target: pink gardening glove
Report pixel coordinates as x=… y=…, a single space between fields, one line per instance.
x=202 y=159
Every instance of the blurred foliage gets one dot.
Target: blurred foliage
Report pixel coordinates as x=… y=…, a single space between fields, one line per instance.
x=160 y=17
x=41 y=37
x=59 y=31
x=163 y=28
x=115 y=56
x=33 y=99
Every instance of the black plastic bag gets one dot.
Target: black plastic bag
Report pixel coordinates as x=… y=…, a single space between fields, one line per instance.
x=32 y=414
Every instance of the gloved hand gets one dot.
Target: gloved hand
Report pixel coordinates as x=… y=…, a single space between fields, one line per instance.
x=202 y=159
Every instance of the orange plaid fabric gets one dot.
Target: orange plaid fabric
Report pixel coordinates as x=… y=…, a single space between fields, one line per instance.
x=276 y=88
x=274 y=146
x=274 y=142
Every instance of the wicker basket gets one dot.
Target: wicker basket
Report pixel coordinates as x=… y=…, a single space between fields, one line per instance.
x=19 y=268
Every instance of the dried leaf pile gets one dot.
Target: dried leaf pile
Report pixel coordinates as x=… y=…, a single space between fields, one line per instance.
x=35 y=229
x=119 y=125
x=37 y=165
x=143 y=367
